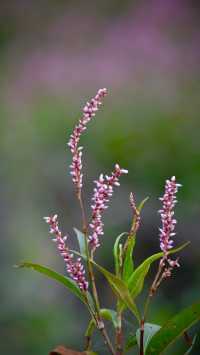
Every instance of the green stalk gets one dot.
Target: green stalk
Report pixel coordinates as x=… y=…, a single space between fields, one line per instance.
x=97 y=317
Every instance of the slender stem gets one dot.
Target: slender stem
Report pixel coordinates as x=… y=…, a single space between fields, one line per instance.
x=98 y=319
x=119 y=334
x=90 y=269
x=87 y=342
x=157 y=280
x=107 y=341
x=187 y=338
x=146 y=306
x=84 y=218
x=142 y=337
x=152 y=290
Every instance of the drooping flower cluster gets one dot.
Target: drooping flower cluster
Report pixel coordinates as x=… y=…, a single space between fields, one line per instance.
x=102 y=193
x=168 y=224
x=74 y=268
x=89 y=111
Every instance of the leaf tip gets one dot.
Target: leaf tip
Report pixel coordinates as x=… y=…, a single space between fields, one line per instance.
x=18 y=266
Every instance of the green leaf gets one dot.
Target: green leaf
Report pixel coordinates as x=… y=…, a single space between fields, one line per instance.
x=110 y=315
x=90 y=329
x=192 y=345
x=131 y=342
x=116 y=253
x=173 y=329
x=120 y=289
x=64 y=280
x=81 y=242
x=128 y=266
x=136 y=281
x=141 y=205
x=107 y=314
x=149 y=330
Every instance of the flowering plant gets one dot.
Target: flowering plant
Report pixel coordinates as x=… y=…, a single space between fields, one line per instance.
x=127 y=282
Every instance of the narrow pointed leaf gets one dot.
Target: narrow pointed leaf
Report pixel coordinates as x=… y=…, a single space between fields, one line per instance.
x=141 y=205
x=116 y=253
x=173 y=329
x=90 y=328
x=136 y=281
x=120 y=289
x=128 y=266
x=81 y=242
x=64 y=280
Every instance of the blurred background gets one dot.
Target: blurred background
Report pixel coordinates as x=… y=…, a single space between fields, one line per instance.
x=54 y=56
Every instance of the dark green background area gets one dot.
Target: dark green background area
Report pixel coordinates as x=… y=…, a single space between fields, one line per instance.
x=53 y=57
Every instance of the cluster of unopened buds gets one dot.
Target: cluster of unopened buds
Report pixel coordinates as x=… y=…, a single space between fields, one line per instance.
x=136 y=214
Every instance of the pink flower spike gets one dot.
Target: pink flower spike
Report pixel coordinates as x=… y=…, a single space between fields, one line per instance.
x=167 y=213
x=89 y=111
x=74 y=268
x=168 y=221
x=102 y=193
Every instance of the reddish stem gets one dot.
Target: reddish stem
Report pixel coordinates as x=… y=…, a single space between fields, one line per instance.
x=142 y=337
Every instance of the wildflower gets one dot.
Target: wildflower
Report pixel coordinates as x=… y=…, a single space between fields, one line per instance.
x=102 y=193
x=89 y=111
x=168 y=221
x=74 y=268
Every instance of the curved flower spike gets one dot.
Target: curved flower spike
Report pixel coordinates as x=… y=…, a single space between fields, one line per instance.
x=74 y=268
x=89 y=111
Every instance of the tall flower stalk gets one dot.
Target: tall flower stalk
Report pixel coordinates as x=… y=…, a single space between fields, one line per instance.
x=166 y=264
x=167 y=232
x=89 y=112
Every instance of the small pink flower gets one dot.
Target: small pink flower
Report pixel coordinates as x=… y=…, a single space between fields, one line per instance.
x=89 y=111
x=74 y=268
x=102 y=193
